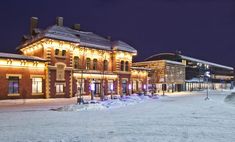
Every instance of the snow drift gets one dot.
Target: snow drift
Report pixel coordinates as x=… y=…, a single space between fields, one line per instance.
x=230 y=98
x=108 y=104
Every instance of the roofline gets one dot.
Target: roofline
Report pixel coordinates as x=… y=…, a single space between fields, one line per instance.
x=206 y=62
x=169 y=53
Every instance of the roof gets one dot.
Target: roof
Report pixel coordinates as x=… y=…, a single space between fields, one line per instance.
x=21 y=57
x=174 y=56
x=122 y=46
x=87 y=39
x=205 y=62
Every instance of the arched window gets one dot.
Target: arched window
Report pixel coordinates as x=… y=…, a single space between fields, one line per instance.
x=106 y=64
x=122 y=65
x=57 y=51
x=94 y=64
x=60 y=71
x=76 y=62
x=88 y=63
x=63 y=52
x=127 y=66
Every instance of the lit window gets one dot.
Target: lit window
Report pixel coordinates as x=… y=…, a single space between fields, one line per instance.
x=95 y=64
x=13 y=85
x=81 y=85
x=127 y=66
x=60 y=72
x=134 y=85
x=76 y=62
x=110 y=85
x=122 y=65
x=63 y=52
x=57 y=51
x=88 y=63
x=59 y=88
x=106 y=65
x=37 y=85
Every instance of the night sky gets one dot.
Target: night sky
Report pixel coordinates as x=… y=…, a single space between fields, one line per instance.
x=203 y=29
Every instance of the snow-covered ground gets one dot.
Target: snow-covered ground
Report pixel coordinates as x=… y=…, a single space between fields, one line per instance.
x=173 y=118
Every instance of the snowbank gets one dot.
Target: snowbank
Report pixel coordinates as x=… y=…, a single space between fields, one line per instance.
x=230 y=98
x=108 y=104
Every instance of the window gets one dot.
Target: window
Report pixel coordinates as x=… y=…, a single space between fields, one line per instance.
x=13 y=86
x=127 y=66
x=88 y=63
x=81 y=85
x=60 y=72
x=76 y=62
x=95 y=64
x=110 y=85
x=122 y=65
x=36 y=85
x=134 y=85
x=106 y=65
x=57 y=51
x=63 y=52
x=59 y=88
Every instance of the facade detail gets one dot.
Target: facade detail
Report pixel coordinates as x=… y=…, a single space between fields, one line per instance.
x=65 y=62
x=187 y=73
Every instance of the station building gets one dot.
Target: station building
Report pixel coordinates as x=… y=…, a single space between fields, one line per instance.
x=62 y=62
x=194 y=70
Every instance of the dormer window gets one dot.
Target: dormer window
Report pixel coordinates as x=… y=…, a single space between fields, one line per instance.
x=57 y=51
x=63 y=52
x=122 y=65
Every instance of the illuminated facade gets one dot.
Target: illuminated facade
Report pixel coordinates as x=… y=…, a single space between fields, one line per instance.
x=221 y=77
x=164 y=75
x=65 y=62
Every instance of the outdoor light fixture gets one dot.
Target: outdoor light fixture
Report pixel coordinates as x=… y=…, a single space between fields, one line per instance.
x=129 y=86
x=111 y=87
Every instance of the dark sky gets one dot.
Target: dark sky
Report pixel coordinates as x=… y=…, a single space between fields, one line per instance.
x=204 y=29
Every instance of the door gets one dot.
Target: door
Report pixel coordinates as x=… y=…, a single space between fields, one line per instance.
x=124 y=87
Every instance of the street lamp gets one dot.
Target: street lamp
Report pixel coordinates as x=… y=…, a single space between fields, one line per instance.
x=207 y=76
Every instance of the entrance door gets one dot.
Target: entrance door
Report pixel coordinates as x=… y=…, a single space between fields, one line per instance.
x=124 y=87
x=97 y=89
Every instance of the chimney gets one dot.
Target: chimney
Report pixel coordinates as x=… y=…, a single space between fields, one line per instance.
x=76 y=27
x=59 y=21
x=33 y=24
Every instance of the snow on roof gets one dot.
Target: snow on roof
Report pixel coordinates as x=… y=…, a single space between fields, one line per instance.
x=120 y=45
x=87 y=39
x=205 y=62
x=18 y=56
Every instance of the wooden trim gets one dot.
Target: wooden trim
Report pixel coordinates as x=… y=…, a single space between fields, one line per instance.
x=14 y=75
x=37 y=94
x=37 y=76
x=13 y=94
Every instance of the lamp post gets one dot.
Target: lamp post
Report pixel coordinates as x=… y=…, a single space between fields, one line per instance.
x=92 y=87
x=207 y=75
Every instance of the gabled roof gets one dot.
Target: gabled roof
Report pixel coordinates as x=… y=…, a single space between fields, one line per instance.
x=87 y=39
x=122 y=46
x=20 y=57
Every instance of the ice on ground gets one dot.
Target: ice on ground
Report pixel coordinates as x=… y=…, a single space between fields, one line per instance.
x=108 y=104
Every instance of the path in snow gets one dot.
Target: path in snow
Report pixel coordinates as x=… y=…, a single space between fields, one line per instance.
x=187 y=118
